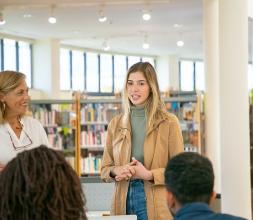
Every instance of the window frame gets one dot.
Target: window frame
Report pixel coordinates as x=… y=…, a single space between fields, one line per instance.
x=99 y=93
x=17 y=56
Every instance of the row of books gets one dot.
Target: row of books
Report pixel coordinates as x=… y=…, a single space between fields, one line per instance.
x=98 y=112
x=54 y=115
x=97 y=137
x=91 y=164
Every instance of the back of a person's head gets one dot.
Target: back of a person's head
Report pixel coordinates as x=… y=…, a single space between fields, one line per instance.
x=190 y=178
x=39 y=184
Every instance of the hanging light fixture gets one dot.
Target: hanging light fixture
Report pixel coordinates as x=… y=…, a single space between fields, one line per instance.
x=145 y=44
x=52 y=19
x=180 y=43
x=101 y=16
x=146 y=16
x=2 y=21
x=106 y=46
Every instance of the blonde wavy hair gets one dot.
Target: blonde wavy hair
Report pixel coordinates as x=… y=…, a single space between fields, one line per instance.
x=154 y=105
x=9 y=80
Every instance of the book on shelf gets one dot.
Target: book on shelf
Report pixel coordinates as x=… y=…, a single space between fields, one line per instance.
x=91 y=164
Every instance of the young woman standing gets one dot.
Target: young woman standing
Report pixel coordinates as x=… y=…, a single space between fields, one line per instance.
x=140 y=142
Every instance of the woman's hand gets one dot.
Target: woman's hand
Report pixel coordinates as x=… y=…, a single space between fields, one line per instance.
x=140 y=171
x=124 y=172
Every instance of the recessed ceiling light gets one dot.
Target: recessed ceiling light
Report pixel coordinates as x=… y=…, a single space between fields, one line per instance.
x=102 y=19
x=146 y=16
x=180 y=43
x=177 y=25
x=27 y=15
x=2 y=21
x=52 y=20
x=145 y=45
x=106 y=46
x=101 y=16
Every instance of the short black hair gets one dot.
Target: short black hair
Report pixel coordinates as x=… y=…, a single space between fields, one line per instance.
x=190 y=178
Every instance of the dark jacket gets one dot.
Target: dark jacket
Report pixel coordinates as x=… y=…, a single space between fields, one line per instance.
x=201 y=211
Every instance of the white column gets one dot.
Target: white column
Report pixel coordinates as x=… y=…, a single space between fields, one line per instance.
x=46 y=67
x=211 y=60
x=234 y=108
x=250 y=8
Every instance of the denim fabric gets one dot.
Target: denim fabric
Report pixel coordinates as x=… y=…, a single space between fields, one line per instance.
x=136 y=200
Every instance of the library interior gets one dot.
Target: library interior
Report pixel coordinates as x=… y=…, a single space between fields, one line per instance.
x=76 y=55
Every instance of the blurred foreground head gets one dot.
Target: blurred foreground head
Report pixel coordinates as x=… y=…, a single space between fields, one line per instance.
x=39 y=184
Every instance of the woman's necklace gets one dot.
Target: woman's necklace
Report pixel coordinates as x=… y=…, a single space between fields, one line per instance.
x=17 y=126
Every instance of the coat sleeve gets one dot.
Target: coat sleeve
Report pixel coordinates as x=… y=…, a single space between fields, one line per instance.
x=175 y=146
x=107 y=160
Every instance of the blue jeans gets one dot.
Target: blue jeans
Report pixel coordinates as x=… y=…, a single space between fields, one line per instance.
x=136 y=200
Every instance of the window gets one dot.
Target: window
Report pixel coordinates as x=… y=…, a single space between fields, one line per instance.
x=78 y=70
x=200 y=76
x=96 y=74
x=149 y=59
x=65 y=69
x=10 y=62
x=120 y=70
x=25 y=62
x=132 y=60
x=186 y=76
x=191 y=75
x=92 y=76
x=106 y=84
x=16 y=56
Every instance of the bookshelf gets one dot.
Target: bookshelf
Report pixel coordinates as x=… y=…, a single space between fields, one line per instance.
x=58 y=118
x=79 y=126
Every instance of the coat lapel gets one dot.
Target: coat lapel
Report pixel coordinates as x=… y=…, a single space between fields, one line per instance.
x=150 y=143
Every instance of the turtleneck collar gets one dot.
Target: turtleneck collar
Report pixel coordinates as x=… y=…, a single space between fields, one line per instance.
x=137 y=111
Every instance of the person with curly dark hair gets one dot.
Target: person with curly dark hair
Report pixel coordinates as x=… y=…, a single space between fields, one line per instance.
x=189 y=179
x=39 y=184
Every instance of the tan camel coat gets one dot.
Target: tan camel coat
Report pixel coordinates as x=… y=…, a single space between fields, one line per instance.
x=163 y=141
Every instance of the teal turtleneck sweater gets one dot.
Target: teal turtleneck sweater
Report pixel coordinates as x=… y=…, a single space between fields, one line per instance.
x=138 y=124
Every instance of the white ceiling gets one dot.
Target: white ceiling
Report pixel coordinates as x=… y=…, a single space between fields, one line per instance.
x=77 y=24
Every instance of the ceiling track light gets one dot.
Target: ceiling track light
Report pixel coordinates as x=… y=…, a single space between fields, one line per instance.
x=52 y=19
x=101 y=16
x=106 y=46
x=180 y=43
x=145 y=44
x=2 y=21
x=146 y=16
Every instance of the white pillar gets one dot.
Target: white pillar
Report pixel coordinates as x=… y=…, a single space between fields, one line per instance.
x=227 y=115
x=250 y=8
x=234 y=108
x=46 y=67
x=211 y=60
